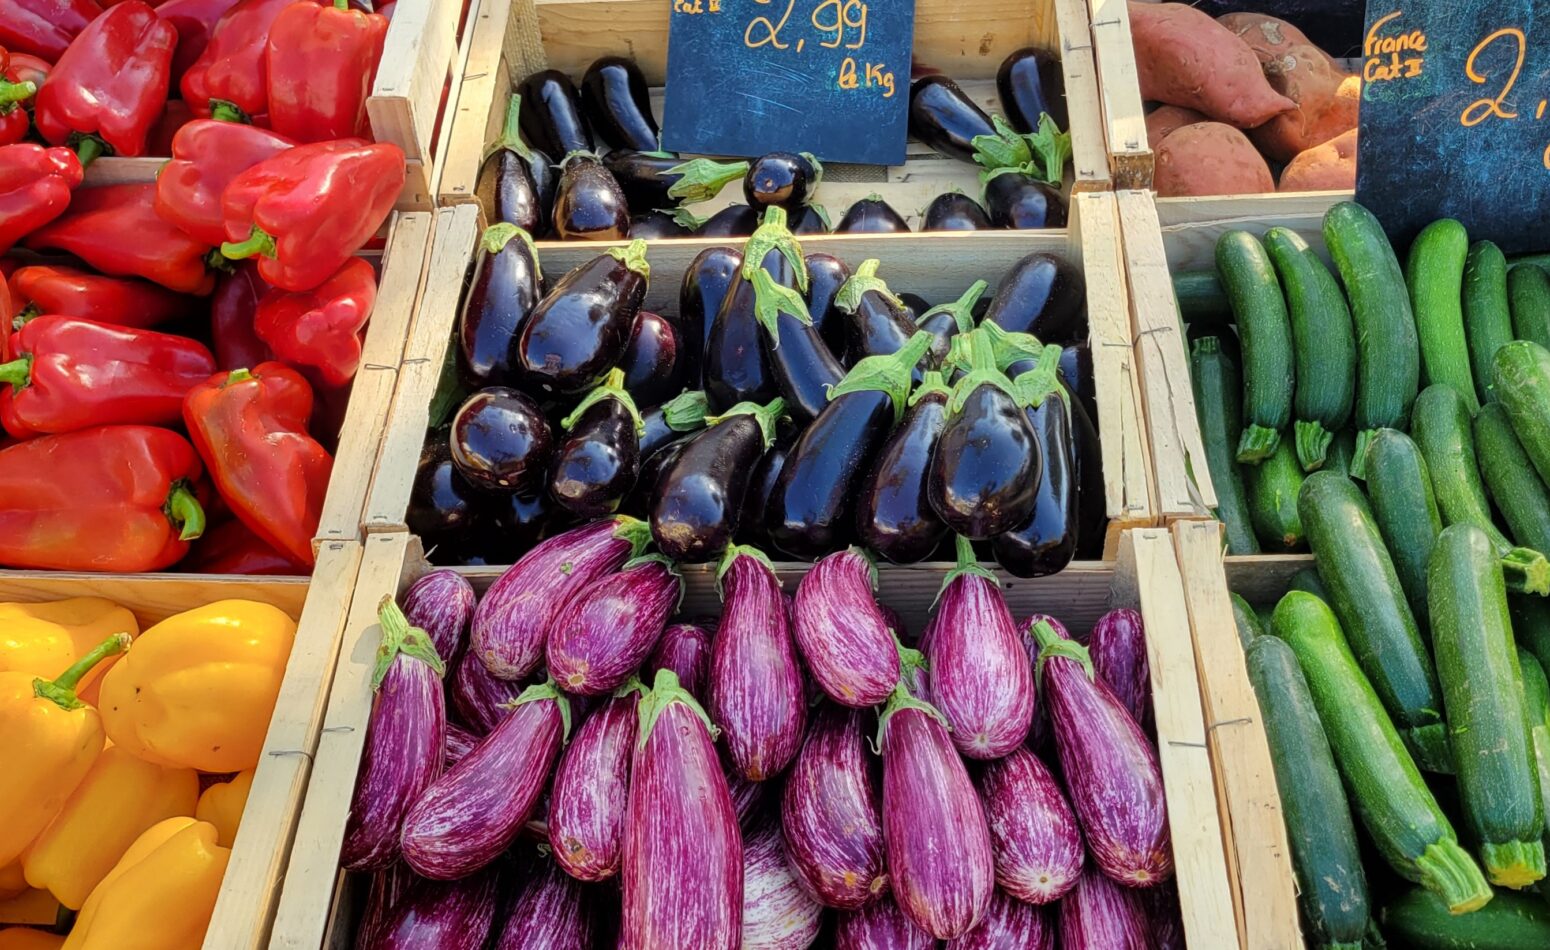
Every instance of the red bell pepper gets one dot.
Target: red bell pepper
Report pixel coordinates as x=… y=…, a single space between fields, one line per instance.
x=110 y=86
x=230 y=548
x=230 y=80
x=194 y=20
x=15 y=93
x=49 y=289
x=232 y=312
x=306 y=211
x=36 y=184
x=251 y=429
x=116 y=498
x=28 y=68
x=320 y=329
x=174 y=117
x=44 y=28
x=206 y=156
x=321 y=63
x=115 y=229
x=65 y=373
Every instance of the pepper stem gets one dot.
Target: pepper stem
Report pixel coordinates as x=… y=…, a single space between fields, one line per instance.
x=12 y=93
x=237 y=376
x=341 y=4
x=223 y=110
x=90 y=148
x=26 y=315
x=185 y=512
x=17 y=373
x=259 y=244
x=61 y=691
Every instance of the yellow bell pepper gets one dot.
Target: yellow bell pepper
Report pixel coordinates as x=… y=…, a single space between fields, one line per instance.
x=160 y=895
x=221 y=805
x=25 y=938
x=48 y=742
x=44 y=639
x=200 y=687
x=13 y=880
x=119 y=798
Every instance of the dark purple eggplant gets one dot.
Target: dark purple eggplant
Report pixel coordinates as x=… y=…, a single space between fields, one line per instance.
x=501 y=441
x=480 y=699
x=517 y=522
x=553 y=912
x=705 y=285
x=1091 y=498
x=777 y=913
x=605 y=632
x=589 y=205
x=468 y=816
x=683 y=648
x=551 y=115
x=442 y=603
x=1043 y=295
x=617 y=102
x=872 y=215
x=505 y=291
x=460 y=742
x=683 y=857
x=811 y=219
x=405 y=742
x=653 y=360
x=1164 y=915
x=591 y=790
x=1076 y=372
x=826 y=276
x=828 y=809
x=680 y=416
x=443 y=506
x=750 y=525
x=843 y=636
x=596 y=464
x=1031 y=83
x=1110 y=767
x=660 y=225
x=581 y=329
x=782 y=179
x=1009 y=924
x=794 y=351
x=1021 y=202
x=893 y=516
x=943 y=117
x=698 y=496
x=517 y=183
x=447 y=915
x=1046 y=542
x=955 y=211
x=658 y=180
x=934 y=829
x=877 y=322
x=950 y=319
x=880 y=925
x=513 y=616
x=811 y=511
x=1118 y=648
x=1100 y=915
x=914 y=305
x=1033 y=834
x=736 y=370
x=733 y=221
x=756 y=692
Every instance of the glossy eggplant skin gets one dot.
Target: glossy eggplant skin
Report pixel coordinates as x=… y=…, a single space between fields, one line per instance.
x=986 y=471
x=501 y=441
x=657 y=226
x=955 y=211
x=699 y=496
x=1043 y=295
x=781 y=179
x=802 y=365
x=1047 y=541
x=653 y=360
x=810 y=510
x=731 y=221
x=551 y=115
x=589 y=206
x=893 y=515
x=872 y=216
x=914 y=305
x=1030 y=82
x=658 y=432
x=443 y=507
x=943 y=117
x=639 y=502
x=810 y=220
x=1076 y=371
x=580 y=330
x=826 y=274
x=705 y=285
x=517 y=182
x=736 y=369
x=757 y=499
x=878 y=324
x=617 y=103
x=1092 y=510
x=517 y=523
x=1020 y=202
x=506 y=289
x=596 y=465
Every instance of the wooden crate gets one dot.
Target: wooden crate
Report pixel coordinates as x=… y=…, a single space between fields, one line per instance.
x=511 y=39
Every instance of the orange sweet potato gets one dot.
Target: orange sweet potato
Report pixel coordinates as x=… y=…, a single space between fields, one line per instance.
x=1185 y=58
x=1210 y=158
x=1165 y=120
x=1326 y=94
x=1327 y=167
x=1266 y=35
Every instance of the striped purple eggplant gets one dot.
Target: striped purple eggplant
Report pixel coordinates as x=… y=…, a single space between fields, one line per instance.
x=1033 y=834
x=828 y=812
x=469 y=815
x=1038 y=732
x=683 y=648
x=683 y=852
x=1010 y=925
x=406 y=742
x=1100 y=915
x=880 y=925
x=445 y=915
x=843 y=636
x=748 y=799
x=1118 y=648
x=386 y=890
x=1164 y=916
x=980 y=677
x=756 y=688
x=934 y=829
x=553 y=912
x=480 y=700
x=591 y=788
x=442 y=604
x=460 y=742
x=777 y=913
x=896 y=623
x=1110 y=769
x=513 y=616
x=604 y=633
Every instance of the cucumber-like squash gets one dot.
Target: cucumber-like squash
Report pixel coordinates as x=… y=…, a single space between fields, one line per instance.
x=1435 y=274
x=1385 y=787
x=1323 y=344
x=1365 y=592
x=1331 y=887
x=1477 y=662
x=1388 y=354
x=1341 y=452
x=1536 y=696
x=1531 y=625
x=1272 y=487
x=1218 y=392
x=1307 y=579
x=1510 y=478
x=1528 y=296
x=1487 y=313
x=1201 y=299
x=1265 y=335
x=1419 y=921
x=1246 y=620
x=1522 y=375
x=1400 y=490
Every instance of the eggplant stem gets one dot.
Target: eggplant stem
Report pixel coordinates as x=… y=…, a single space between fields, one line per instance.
x=633 y=256
x=541 y=691
x=633 y=530
x=611 y=388
x=1052 y=644
x=772 y=235
x=865 y=281
x=399 y=637
x=686 y=412
x=703 y=179
x=730 y=556
x=771 y=300
x=890 y=373
x=766 y=415
x=666 y=690
x=962 y=309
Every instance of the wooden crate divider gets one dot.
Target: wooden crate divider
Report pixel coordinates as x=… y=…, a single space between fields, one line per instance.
x=420 y=63
x=1119 y=87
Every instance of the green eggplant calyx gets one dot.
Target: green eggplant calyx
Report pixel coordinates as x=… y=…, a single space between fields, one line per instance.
x=982 y=372
x=633 y=530
x=631 y=685
x=967 y=565
x=823 y=215
x=665 y=691
x=1051 y=151
x=1043 y=380
x=511 y=134
x=497 y=236
x=772 y=299
x=633 y=256
x=934 y=382
x=857 y=550
x=900 y=700
x=17 y=373
x=812 y=160
x=962 y=309
x=702 y=179
x=686 y=412
x=771 y=235
x=685 y=218
x=863 y=282
x=399 y=637
x=543 y=691
x=672 y=570
x=1008 y=347
x=612 y=388
x=1003 y=149
x=730 y=556
x=766 y=416
x=1052 y=644
x=892 y=373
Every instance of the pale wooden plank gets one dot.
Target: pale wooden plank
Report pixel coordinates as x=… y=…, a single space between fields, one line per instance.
x=123 y=171
x=1124 y=118
x=153 y=598
x=1089 y=159
x=1261 y=579
x=1191 y=226
x=416 y=64
x=482 y=94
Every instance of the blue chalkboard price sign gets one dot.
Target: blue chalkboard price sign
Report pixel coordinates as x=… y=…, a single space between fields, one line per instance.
x=831 y=77
x=1455 y=118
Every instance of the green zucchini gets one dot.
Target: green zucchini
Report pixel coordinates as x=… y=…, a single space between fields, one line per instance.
x=1272 y=490
x=1510 y=478
x=1201 y=298
x=1477 y=662
x=1419 y=921
x=1341 y=452
x=1435 y=274
x=1531 y=625
x=1331 y=887
x=1217 y=394
x=1528 y=296
x=1246 y=620
x=1388 y=354
x=1367 y=596
x=1487 y=313
x=1265 y=334
x=1405 y=510
x=1385 y=788
x=1323 y=341
x=1308 y=580
x=1536 y=698
x=1522 y=375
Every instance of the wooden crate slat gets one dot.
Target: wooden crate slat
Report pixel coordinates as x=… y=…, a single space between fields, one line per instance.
x=416 y=58
x=1191 y=226
x=1089 y=161
x=153 y=598
x=1130 y=156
